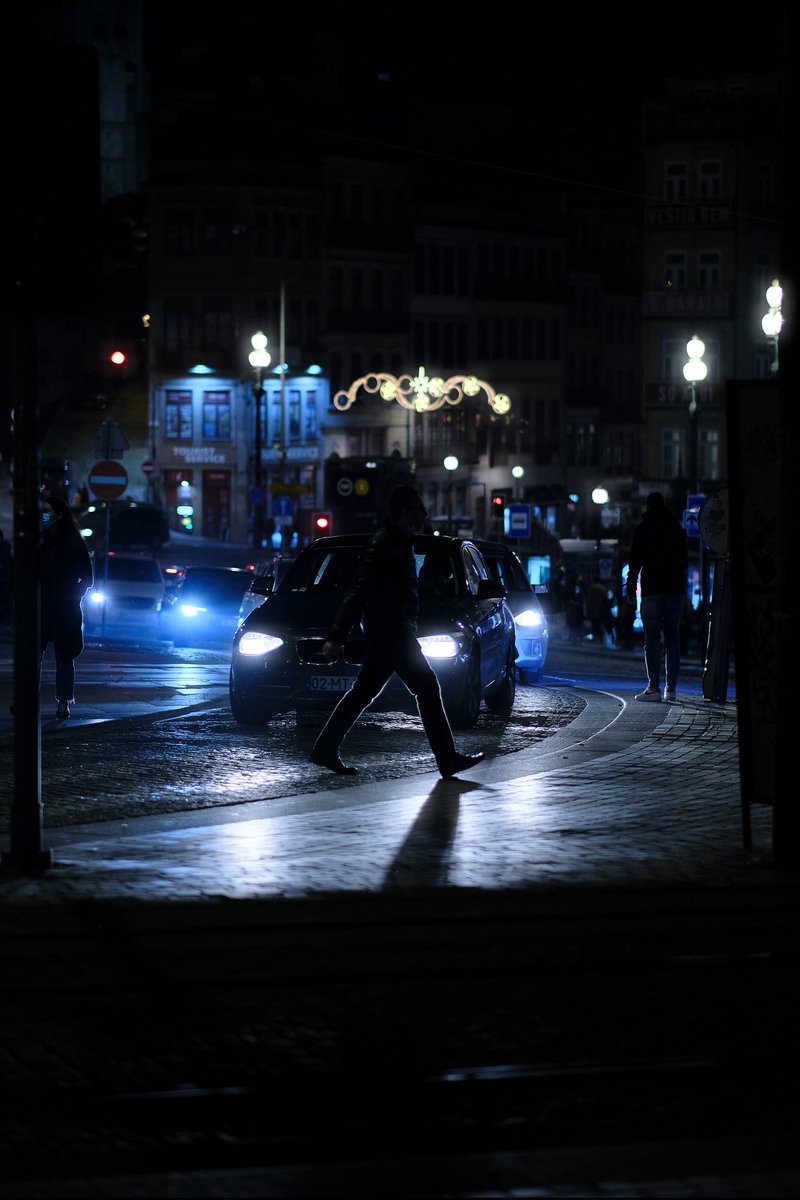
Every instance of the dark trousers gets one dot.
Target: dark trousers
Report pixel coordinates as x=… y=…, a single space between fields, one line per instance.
x=400 y=655
x=65 y=674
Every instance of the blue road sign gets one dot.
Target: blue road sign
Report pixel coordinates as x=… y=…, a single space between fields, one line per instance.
x=693 y=503
x=282 y=506
x=518 y=520
x=690 y=522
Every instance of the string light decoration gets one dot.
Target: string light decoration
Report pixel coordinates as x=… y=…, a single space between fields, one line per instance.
x=422 y=393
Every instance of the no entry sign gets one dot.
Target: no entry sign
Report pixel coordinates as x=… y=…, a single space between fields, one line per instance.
x=108 y=479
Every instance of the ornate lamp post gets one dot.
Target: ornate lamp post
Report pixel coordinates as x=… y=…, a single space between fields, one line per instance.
x=694 y=372
x=259 y=359
x=772 y=321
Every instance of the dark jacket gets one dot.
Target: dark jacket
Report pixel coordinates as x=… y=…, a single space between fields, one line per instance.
x=384 y=592
x=65 y=574
x=659 y=550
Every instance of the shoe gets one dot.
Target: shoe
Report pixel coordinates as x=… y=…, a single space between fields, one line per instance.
x=332 y=762
x=459 y=762
x=669 y=693
x=653 y=695
x=62 y=712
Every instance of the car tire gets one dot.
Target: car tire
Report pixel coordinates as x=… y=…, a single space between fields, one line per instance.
x=465 y=712
x=501 y=699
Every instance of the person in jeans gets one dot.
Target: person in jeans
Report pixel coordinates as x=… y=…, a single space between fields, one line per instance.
x=386 y=593
x=659 y=553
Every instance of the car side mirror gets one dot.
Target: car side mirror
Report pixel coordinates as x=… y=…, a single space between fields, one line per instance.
x=488 y=589
x=262 y=585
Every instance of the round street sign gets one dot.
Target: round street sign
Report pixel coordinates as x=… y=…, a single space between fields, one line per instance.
x=148 y=466
x=108 y=479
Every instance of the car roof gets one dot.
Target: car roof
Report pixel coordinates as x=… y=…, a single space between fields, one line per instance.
x=428 y=541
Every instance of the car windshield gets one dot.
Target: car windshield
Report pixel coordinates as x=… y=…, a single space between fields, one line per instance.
x=130 y=570
x=216 y=585
x=321 y=570
x=508 y=572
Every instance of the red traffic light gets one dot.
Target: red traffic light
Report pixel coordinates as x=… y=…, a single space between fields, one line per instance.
x=118 y=358
x=498 y=500
x=321 y=523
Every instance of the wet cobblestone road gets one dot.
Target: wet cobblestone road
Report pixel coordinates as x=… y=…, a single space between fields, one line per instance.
x=205 y=760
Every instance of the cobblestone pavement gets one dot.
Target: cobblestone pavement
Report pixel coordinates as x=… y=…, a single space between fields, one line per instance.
x=623 y=794
x=201 y=759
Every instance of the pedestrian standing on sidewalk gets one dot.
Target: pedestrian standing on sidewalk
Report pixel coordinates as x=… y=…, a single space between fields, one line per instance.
x=385 y=592
x=65 y=575
x=659 y=551
x=6 y=580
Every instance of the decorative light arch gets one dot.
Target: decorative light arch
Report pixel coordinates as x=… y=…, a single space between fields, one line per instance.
x=421 y=393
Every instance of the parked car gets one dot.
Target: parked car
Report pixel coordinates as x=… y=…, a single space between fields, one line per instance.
x=466 y=631
x=529 y=617
x=125 y=600
x=271 y=570
x=133 y=525
x=203 y=609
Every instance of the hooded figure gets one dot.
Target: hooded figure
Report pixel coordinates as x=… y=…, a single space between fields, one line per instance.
x=65 y=574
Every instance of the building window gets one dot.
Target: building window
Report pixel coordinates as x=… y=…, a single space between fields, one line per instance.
x=673 y=356
x=178 y=415
x=216 y=416
x=709 y=270
x=178 y=232
x=310 y=417
x=675 y=181
x=765 y=183
x=710 y=180
x=178 y=323
x=217 y=320
x=708 y=456
x=216 y=232
x=671 y=453
x=675 y=269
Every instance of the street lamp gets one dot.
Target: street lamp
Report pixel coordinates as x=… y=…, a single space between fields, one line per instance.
x=450 y=464
x=259 y=359
x=517 y=472
x=694 y=372
x=600 y=497
x=772 y=321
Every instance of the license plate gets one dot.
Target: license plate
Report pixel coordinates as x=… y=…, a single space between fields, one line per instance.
x=328 y=683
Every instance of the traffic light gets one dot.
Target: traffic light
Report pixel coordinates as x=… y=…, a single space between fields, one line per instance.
x=498 y=503
x=321 y=524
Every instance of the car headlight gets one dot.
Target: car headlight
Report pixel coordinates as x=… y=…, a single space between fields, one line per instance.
x=192 y=610
x=252 y=643
x=529 y=619
x=438 y=645
x=97 y=598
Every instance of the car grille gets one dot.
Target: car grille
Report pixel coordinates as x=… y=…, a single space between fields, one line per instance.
x=309 y=651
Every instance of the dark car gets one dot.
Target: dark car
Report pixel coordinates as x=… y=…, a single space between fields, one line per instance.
x=203 y=609
x=466 y=631
x=529 y=618
x=132 y=525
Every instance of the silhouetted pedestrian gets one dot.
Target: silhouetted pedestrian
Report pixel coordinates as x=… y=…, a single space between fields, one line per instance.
x=659 y=550
x=65 y=577
x=596 y=608
x=385 y=593
x=6 y=563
